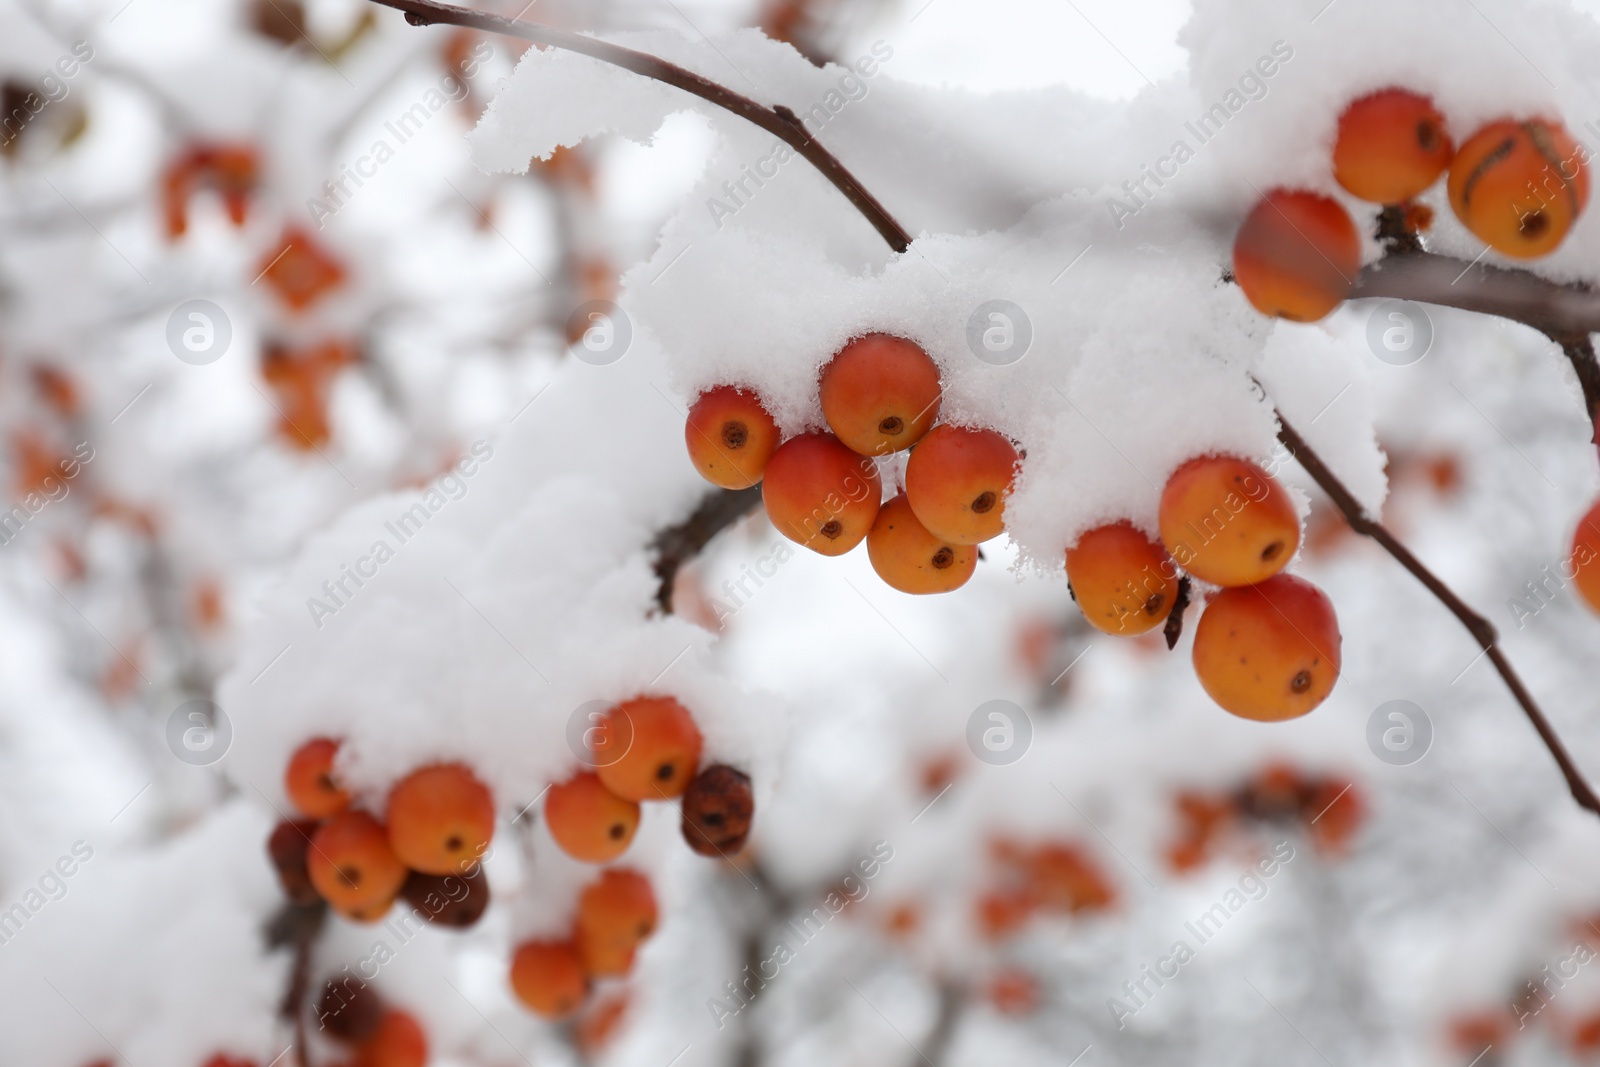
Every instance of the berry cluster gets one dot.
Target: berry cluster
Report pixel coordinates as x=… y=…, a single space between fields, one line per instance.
x=233 y=171
x=1051 y=877
x=1544 y=1007
x=879 y=395
x=1517 y=185
x=643 y=749
x=615 y=914
x=1267 y=644
x=440 y=820
x=1329 y=809
x=438 y=825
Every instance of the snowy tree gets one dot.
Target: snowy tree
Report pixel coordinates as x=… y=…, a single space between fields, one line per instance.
x=788 y=532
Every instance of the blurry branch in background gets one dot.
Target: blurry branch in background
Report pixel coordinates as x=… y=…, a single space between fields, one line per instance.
x=779 y=121
x=770 y=916
x=296 y=926
x=1566 y=314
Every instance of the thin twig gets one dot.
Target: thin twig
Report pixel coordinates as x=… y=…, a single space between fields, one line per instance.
x=1580 y=352
x=676 y=545
x=1394 y=230
x=1480 y=628
x=296 y=926
x=779 y=121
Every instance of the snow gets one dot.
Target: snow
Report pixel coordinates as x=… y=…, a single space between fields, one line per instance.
x=522 y=588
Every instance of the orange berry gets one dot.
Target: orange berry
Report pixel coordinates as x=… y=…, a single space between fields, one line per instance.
x=909 y=558
x=399 y=1042
x=353 y=867
x=957 y=480
x=588 y=821
x=1584 y=1035
x=1268 y=652
x=662 y=754
x=1123 y=581
x=1519 y=186
x=600 y=1024
x=615 y=913
x=1063 y=878
x=310 y=782
x=1296 y=255
x=730 y=437
x=548 y=977
x=880 y=394
x=820 y=494
x=1013 y=991
x=607 y=958
x=1002 y=912
x=1391 y=146
x=1228 y=522
x=1474 y=1031
x=1585 y=562
x=300 y=271
x=441 y=819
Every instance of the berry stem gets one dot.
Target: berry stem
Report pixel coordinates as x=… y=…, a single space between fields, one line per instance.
x=779 y=121
x=1395 y=233
x=297 y=926
x=1476 y=624
x=1180 y=604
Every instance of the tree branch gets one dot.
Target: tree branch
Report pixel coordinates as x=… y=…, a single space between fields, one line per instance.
x=676 y=545
x=1566 y=314
x=779 y=121
x=1560 y=312
x=1476 y=624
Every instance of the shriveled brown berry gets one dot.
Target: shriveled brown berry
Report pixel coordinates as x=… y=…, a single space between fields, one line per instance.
x=349 y=1010
x=717 y=809
x=287 y=849
x=454 y=900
